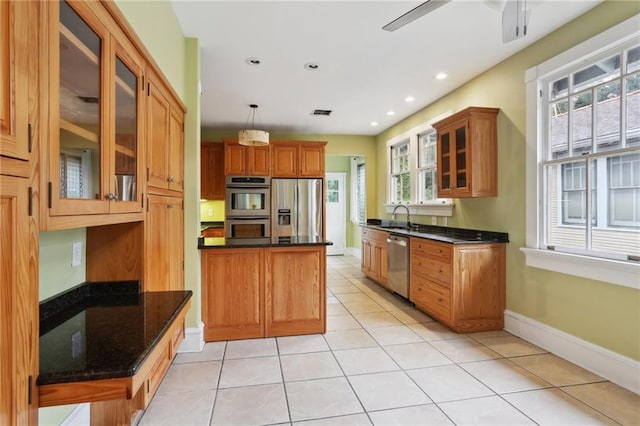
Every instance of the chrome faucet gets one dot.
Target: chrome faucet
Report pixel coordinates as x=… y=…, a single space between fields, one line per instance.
x=393 y=215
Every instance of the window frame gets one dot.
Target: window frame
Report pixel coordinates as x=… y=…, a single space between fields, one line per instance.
x=614 y=271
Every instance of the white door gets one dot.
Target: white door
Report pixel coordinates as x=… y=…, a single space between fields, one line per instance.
x=336 y=213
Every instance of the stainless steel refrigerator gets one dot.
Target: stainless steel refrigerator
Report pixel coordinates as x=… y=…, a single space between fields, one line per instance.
x=297 y=208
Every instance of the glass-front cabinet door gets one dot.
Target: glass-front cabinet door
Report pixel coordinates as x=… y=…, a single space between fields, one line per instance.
x=95 y=109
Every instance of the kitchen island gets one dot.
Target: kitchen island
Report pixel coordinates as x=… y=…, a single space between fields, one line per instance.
x=108 y=344
x=263 y=287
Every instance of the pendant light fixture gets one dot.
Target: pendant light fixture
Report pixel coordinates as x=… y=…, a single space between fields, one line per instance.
x=253 y=137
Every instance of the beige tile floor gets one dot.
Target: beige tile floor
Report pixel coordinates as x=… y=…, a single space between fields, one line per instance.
x=383 y=362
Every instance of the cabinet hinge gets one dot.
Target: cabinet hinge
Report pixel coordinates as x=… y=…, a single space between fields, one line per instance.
x=50 y=194
x=147 y=206
x=30 y=201
x=30 y=390
x=147 y=174
x=142 y=87
x=30 y=134
x=148 y=89
x=142 y=200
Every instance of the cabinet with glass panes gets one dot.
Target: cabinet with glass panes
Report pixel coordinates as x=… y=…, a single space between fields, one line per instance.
x=96 y=124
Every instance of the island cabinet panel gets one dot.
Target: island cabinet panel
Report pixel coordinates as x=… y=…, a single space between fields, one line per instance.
x=295 y=293
x=18 y=307
x=461 y=285
x=233 y=293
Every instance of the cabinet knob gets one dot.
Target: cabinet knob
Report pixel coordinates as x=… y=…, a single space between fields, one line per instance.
x=170 y=179
x=440 y=299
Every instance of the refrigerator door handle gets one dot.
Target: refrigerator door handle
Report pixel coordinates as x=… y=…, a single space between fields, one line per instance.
x=296 y=197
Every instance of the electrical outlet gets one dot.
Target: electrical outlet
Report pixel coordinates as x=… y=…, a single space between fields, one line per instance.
x=211 y=212
x=434 y=220
x=444 y=221
x=76 y=257
x=76 y=344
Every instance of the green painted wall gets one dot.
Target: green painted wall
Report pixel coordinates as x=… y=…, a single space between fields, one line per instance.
x=604 y=314
x=158 y=28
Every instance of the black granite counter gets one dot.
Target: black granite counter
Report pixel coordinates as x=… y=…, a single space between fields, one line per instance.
x=102 y=330
x=213 y=243
x=438 y=233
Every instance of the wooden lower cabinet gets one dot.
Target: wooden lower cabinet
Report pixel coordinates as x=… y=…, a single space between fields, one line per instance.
x=294 y=291
x=164 y=244
x=374 y=255
x=259 y=292
x=461 y=285
x=18 y=305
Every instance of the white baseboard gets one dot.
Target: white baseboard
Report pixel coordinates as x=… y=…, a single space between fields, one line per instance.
x=353 y=251
x=612 y=366
x=193 y=339
x=80 y=416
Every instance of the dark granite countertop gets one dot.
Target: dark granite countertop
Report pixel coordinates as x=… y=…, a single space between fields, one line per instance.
x=438 y=233
x=102 y=330
x=208 y=225
x=213 y=243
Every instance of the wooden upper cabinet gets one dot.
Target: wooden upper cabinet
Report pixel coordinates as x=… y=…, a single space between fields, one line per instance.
x=95 y=154
x=468 y=154
x=165 y=139
x=297 y=159
x=15 y=48
x=212 y=171
x=246 y=160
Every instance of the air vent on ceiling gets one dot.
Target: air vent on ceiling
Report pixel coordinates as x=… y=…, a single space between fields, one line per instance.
x=326 y=112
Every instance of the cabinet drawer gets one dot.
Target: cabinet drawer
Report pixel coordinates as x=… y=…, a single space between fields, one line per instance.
x=156 y=374
x=432 y=269
x=374 y=235
x=431 y=249
x=435 y=299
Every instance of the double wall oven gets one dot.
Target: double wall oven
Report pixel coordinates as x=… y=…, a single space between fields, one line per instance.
x=248 y=207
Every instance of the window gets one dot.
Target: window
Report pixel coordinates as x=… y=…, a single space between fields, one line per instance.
x=413 y=172
x=360 y=193
x=427 y=172
x=400 y=174
x=584 y=120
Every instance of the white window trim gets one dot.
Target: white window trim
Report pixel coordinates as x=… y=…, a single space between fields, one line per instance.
x=611 y=271
x=438 y=207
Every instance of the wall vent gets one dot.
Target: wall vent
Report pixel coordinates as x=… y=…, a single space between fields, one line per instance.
x=326 y=112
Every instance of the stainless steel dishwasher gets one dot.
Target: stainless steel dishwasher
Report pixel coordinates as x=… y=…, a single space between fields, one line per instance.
x=398 y=264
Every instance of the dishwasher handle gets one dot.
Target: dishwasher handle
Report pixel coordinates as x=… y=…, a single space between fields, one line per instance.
x=397 y=241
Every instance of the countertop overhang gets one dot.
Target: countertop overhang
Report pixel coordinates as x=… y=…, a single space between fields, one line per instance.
x=99 y=331
x=219 y=243
x=438 y=233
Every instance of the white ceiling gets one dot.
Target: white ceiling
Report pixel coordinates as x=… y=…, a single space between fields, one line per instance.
x=363 y=71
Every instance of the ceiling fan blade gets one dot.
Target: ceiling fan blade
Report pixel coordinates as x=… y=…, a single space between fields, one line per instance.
x=415 y=13
x=515 y=20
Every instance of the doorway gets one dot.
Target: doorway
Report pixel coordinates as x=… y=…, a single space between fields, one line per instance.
x=336 y=213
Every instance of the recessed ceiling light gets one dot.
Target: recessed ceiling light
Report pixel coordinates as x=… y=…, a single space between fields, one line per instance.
x=311 y=66
x=409 y=99
x=252 y=61
x=374 y=123
x=441 y=76
x=390 y=113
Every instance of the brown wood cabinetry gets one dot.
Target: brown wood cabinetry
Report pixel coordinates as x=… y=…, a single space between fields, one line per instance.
x=297 y=159
x=213 y=232
x=17 y=46
x=468 y=154
x=242 y=160
x=165 y=139
x=163 y=246
x=461 y=285
x=294 y=291
x=212 y=171
x=233 y=293
x=259 y=292
x=374 y=255
x=94 y=161
x=19 y=307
